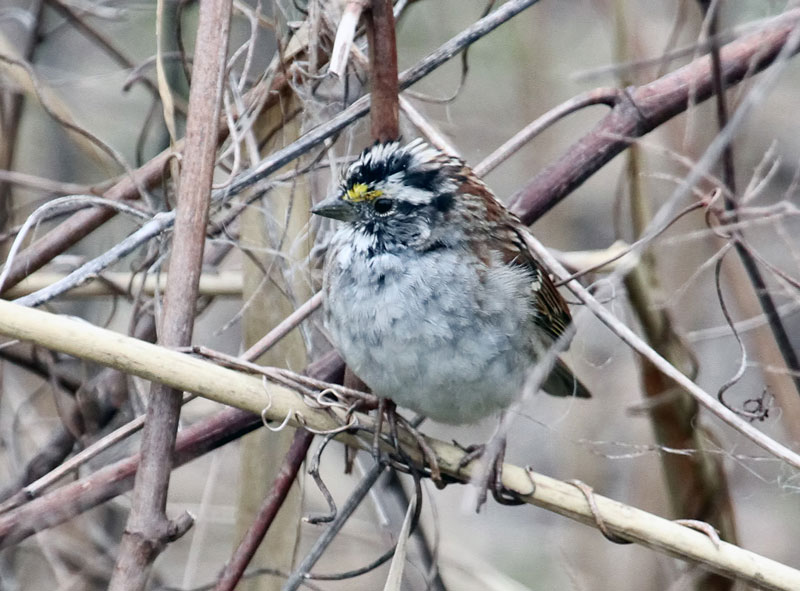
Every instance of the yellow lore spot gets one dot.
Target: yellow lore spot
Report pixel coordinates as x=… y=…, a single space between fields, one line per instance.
x=360 y=192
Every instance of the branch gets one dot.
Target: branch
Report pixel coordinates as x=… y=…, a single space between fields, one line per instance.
x=647 y=107
x=235 y=568
x=359 y=108
x=385 y=112
x=83 y=223
x=222 y=284
x=148 y=529
x=759 y=285
x=277 y=403
x=637 y=344
x=72 y=499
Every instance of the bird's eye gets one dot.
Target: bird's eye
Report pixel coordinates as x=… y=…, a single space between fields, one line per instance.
x=383 y=205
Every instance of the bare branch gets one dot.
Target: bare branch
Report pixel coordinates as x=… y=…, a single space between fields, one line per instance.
x=183 y=372
x=651 y=105
x=148 y=529
x=234 y=569
x=636 y=343
x=385 y=111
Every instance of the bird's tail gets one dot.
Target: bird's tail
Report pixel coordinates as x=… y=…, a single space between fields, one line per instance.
x=562 y=382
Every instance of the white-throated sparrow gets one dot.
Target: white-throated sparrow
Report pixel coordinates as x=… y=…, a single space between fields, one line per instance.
x=430 y=294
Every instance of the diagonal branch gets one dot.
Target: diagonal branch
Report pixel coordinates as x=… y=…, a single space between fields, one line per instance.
x=275 y=403
x=235 y=568
x=647 y=107
x=64 y=503
x=637 y=344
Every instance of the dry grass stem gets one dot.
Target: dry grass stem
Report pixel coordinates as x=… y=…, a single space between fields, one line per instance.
x=225 y=284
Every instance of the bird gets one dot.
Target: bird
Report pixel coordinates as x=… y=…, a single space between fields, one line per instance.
x=430 y=293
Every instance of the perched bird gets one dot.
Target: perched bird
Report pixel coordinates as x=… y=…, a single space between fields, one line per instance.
x=430 y=293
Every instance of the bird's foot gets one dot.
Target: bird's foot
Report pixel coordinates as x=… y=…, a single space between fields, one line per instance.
x=388 y=410
x=489 y=475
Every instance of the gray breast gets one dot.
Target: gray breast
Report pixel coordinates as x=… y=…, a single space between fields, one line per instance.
x=447 y=339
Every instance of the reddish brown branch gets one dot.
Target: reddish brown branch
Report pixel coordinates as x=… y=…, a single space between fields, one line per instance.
x=72 y=499
x=385 y=102
x=384 y=110
x=648 y=107
x=233 y=571
x=148 y=529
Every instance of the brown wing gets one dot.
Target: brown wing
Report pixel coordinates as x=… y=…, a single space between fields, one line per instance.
x=550 y=311
x=506 y=236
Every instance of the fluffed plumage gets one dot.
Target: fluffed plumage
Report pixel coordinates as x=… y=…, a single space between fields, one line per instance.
x=430 y=293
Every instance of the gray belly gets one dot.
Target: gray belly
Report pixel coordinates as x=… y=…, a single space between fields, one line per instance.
x=452 y=344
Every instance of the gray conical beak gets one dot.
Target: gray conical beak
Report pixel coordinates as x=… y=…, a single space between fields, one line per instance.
x=336 y=208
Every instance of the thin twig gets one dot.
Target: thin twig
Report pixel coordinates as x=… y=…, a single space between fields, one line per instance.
x=598 y=96
x=426 y=128
x=779 y=332
x=284 y=327
x=342 y=515
x=235 y=567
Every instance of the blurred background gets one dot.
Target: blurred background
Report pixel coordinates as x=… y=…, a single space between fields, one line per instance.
x=546 y=55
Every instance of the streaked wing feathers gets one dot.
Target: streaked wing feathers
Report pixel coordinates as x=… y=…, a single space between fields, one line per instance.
x=550 y=311
x=552 y=314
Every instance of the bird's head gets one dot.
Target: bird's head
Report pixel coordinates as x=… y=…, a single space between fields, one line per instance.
x=400 y=196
